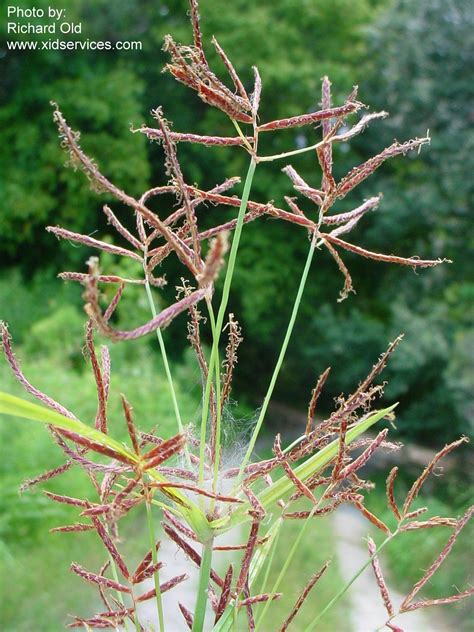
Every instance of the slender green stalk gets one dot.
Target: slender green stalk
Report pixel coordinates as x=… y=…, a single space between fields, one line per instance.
x=204 y=576
x=282 y=573
x=345 y=588
x=295 y=152
x=221 y=314
x=281 y=357
x=246 y=143
x=169 y=377
x=156 y=574
x=271 y=555
x=218 y=404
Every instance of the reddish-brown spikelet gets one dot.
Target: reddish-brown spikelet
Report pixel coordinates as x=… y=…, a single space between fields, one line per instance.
x=15 y=367
x=77 y=526
x=363 y=171
x=168 y=585
x=341 y=218
x=231 y=70
x=298 y=483
x=313 y=117
x=225 y=593
x=392 y=503
x=348 y=287
x=380 y=578
x=188 y=617
x=439 y=560
x=98 y=579
x=416 y=513
x=315 y=393
x=245 y=564
x=248 y=601
x=214 y=260
x=198 y=490
x=247 y=604
x=234 y=340
x=114 y=303
x=189 y=551
x=46 y=476
x=94 y=243
x=147 y=573
x=67 y=500
x=178 y=137
x=120 y=228
x=179 y=525
x=365 y=456
x=425 y=603
x=101 y=415
x=93 y=445
x=371 y=517
x=436 y=521
x=257 y=92
x=414 y=262
x=164 y=451
x=127 y=409
x=342 y=448
x=415 y=488
x=160 y=321
x=303 y=596
x=144 y=564
x=324 y=154
x=110 y=546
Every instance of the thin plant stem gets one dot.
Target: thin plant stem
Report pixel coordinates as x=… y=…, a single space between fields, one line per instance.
x=345 y=588
x=169 y=377
x=204 y=576
x=156 y=574
x=247 y=145
x=218 y=405
x=221 y=314
x=282 y=573
x=270 y=557
x=281 y=357
x=295 y=152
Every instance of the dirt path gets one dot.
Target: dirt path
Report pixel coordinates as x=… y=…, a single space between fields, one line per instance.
x=368 y=613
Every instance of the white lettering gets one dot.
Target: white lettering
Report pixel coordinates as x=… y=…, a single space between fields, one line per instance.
x=70 y=27
x=57 y=14
x=18 y=12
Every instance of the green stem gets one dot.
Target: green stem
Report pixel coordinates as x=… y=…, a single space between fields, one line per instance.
x=270 y=557
x=221 y=314
x=344 y=589
x=164 y=355
x=282 y=573
x=217 y=437
x=156 y=574
x=295 y=152
x=204 y=576
x=281 y=357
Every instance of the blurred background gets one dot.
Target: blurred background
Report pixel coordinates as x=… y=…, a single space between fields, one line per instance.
x=410 y=58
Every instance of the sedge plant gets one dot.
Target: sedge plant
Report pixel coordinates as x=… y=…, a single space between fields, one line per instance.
x=183 y=479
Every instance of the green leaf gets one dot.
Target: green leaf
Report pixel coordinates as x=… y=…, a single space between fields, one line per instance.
x=18 y=407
